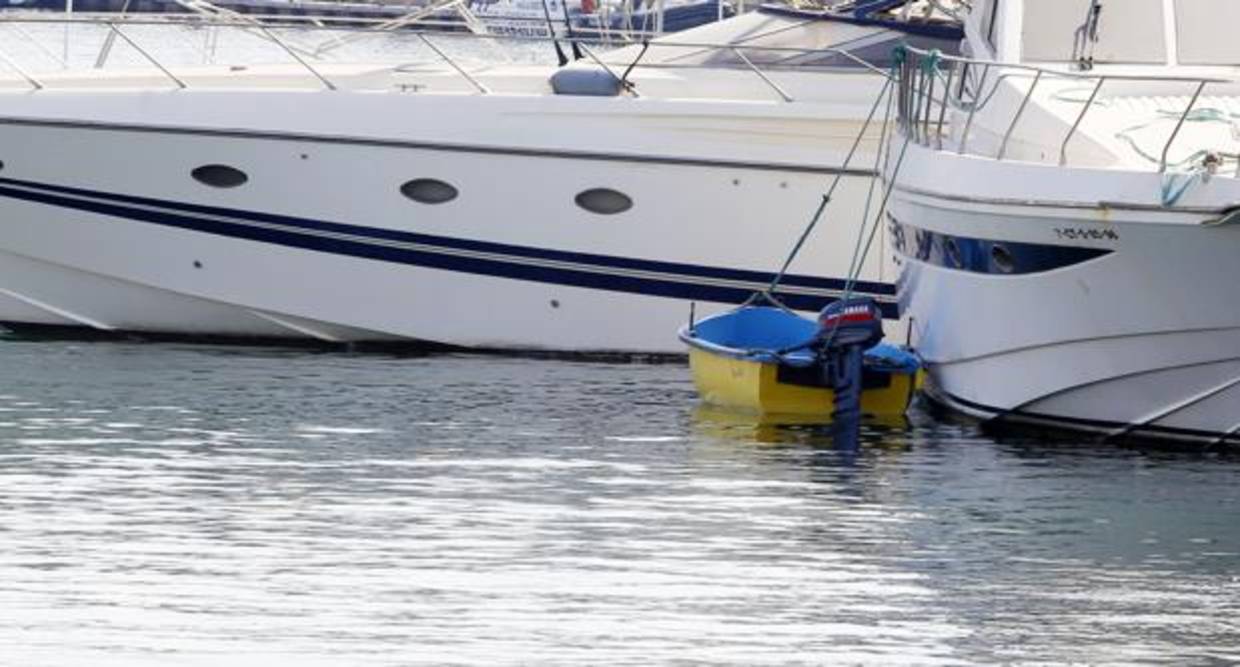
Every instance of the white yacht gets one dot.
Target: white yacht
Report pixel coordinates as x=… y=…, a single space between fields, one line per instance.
x=1065 y=209
x=442 y=201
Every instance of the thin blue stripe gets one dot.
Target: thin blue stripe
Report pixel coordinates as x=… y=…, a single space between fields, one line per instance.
x=430 y=259
x=867 y=287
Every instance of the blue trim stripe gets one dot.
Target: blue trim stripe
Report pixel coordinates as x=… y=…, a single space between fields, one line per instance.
x=989 y=256
x=603 y=272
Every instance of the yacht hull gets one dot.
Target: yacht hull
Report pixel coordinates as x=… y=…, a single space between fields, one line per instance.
x=1118 y=321
x=102 y=226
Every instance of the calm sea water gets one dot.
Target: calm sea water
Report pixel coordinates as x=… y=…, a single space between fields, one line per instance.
x=169 y=505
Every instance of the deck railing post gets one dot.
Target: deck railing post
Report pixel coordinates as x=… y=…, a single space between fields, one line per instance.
x=599 y=61
x=977 y=97
x=21 y=72
x=289 y=50
x=481 y=88
x=947 y=89
x=1020 y=111
x=1162 y=163
x=780 y=91
x=1063 y=149
x=931 y=68
x=180 y=84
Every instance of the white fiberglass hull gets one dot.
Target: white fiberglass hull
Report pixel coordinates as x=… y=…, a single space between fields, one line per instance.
x=1032 y=303
x=102 y=226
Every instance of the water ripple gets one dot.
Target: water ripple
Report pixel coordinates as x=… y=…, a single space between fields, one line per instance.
x=173 y=505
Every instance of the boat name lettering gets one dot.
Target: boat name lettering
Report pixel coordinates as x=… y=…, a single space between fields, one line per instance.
x=1085 y=234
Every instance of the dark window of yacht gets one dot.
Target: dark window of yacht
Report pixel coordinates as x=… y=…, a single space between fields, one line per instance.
x=219 y=176
x=1002 y=258
x=429 y=191
x=604 y=201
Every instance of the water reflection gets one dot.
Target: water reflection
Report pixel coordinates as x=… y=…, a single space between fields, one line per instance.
x=171 y=504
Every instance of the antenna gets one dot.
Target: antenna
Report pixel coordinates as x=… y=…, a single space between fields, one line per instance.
x=559 y=53
x=569 y=26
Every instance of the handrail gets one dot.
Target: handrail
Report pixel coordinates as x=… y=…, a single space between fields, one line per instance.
x=305 y=59
x=1060 y=73
x=918 y=95
x=198 y=20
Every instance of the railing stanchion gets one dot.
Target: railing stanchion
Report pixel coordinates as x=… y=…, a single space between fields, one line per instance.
x=289 y=50
x=947 y=90
x=1020 y=111
x=149 y=57
x=1063 y=149
x=598 y=61
x=21 y=72
x=977 y=98
x=764 y=77
x=932 y=75
x=1162 y=163
x=481 y=88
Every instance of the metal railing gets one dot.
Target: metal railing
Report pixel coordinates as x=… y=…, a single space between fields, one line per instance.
x=931 y=84
x=781 y=59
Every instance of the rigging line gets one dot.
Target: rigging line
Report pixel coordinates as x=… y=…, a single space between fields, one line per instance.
x=851 y=281
x=826 y=198
x=883 y=136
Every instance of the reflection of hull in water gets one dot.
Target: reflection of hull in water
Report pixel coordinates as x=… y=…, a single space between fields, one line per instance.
x=724 y=424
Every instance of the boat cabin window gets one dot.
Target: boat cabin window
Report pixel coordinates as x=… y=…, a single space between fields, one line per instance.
x=1206 y=32
x=1128 y=31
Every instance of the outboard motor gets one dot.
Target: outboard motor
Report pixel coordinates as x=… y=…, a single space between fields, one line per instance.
x=846 y=329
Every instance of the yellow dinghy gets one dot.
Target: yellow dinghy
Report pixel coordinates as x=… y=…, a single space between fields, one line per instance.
x=770 y=361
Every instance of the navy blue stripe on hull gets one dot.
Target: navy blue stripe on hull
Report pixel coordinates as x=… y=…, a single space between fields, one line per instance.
x=990 y=256
x=510 y=261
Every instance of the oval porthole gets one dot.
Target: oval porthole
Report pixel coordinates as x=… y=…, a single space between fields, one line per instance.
x=429 y=191
x=953 y=253
x=604 y=201
x=219 y=176
x=1002 y=258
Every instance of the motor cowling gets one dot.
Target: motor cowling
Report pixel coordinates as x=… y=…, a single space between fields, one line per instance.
x=846 y=329
x=848 y=322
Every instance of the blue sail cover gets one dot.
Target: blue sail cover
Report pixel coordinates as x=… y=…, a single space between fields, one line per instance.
x=865 y=13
